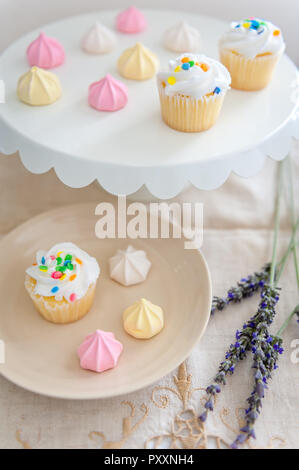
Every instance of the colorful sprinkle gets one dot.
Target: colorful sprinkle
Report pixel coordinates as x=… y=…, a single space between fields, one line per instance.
x=177 y=69
x=58 y=260
x=276 y=32
x=246 y=25
x=52 y=257
x=204 y=67
x=171 y=81
x=73 y=297
x=55 y=289
x=186 y=66
x=34 y=264
x=217 y=90
x=62 y=269
x=56 y=275
x=43 y=260
x=70 y=266
x=191 y=62
x=185 y=59
x=237 y=26
x=78 y=261
x=43 y=268
x=254 y=24
x=72 y=277
x=68 y=258
x=163 y=84
x=59 y=253
x=63 y=277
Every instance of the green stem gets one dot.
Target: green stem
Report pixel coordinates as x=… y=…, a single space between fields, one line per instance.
x=276 y=226
x=285 y=256
x=287 y=321
x=293 y=217
x=291 y=247
x=284 y=259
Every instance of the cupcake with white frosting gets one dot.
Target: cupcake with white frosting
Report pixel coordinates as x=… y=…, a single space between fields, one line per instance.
x=250 y=50
x=61 y=283
x=192 y=92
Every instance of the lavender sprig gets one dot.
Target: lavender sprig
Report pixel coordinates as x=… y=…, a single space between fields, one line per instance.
x=265 y=361
x=246 y=340
x=245 y=288
x=265 y=353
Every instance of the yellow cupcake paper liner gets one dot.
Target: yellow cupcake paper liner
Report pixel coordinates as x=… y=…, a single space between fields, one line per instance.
x=249 y=74
x=188 y=114
x=60 y=311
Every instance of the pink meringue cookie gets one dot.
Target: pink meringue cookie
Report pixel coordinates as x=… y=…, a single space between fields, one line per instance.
x=99 y=351
x=45 y=52
x=131 y=21
x=108 y=94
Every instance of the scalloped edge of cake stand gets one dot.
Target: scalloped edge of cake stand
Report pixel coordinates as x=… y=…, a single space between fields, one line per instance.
x=163 y=182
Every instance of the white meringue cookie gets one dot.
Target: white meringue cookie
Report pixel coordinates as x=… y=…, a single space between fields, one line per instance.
x=182 y=38
x=98 y=40
x=129 y=267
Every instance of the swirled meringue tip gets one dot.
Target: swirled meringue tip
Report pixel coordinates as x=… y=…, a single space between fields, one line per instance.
x=253 y=37
x=182 y=38
x=131 y=21
x=138 y=63
x=45 y=52
x=98 y=40
x=108 y=94
x=129 y=267
x=195 y=75
x=143 y=320
x=99 y=351
x=64 y=271
x=38 y=87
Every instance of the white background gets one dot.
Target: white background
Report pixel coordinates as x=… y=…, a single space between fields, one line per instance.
x=20 y=16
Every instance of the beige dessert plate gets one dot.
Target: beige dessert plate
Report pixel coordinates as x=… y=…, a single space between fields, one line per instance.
x=41 y=356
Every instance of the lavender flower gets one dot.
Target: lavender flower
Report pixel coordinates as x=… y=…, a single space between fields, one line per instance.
x=246 y=339
x=245 y=288
x=265 y=350
x=264 y=362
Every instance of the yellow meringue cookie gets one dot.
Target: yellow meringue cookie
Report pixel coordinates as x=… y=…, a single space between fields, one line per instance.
x=38 y=87
x=138 y=63
x=143 y=319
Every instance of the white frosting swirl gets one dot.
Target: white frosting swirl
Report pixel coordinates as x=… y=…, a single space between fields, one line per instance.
x=81 y=271
x=204 y=77
x=253 y=37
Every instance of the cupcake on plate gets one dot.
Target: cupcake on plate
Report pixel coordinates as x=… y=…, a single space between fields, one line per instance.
x=192 y=92
x=62 y=282
x=250 y=50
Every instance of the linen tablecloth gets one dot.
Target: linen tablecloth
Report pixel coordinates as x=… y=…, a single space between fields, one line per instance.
x=238 y=221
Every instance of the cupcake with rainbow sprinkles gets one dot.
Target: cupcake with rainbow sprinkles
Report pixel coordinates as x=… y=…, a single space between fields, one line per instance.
x=250 y=50
x=62 y=282
x=192 y=92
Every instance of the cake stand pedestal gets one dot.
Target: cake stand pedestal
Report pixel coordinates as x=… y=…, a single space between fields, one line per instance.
x=133 y=147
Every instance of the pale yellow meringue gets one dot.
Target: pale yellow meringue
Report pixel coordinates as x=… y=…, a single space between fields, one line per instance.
x=38 y=87
x=138 y=63
x=143 y=320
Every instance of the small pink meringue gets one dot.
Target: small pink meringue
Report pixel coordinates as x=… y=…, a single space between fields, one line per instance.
x=131 y=21
x=99 y=351
x=108 y=94
x=45 y=52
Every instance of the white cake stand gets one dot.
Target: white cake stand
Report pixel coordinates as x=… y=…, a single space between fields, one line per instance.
x=133 y=147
